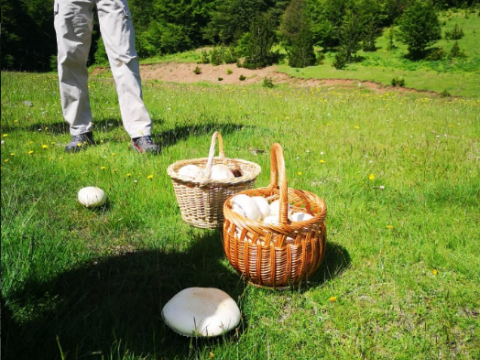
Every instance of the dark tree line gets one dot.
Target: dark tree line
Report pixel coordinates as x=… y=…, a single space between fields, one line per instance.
x=248 y=28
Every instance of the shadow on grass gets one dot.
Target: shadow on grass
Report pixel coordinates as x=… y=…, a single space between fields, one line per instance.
x=336 y=261
x=102 y=129
x=112 y=304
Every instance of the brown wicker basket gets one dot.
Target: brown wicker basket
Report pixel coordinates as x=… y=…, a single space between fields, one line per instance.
x=276 y=256
x=201 y=201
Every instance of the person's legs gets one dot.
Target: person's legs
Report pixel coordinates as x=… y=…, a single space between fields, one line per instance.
x=73 y=26
x=119 y=39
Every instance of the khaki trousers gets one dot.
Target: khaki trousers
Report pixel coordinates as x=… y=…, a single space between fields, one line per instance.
x=73 y=26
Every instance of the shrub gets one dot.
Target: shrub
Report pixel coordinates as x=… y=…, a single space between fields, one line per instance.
x=455 y=51
x=216 y=57
x=229 y=71
x=445 y=93
x=320 y=57
x=340 y=60
x=455 y=34
x=437 y=54
x=229 y=56
x=197 y=70
x=241 y=78
x=398 y=81
x=204 y=57
x=391 y=37
x=268 y=82
x=220 y=79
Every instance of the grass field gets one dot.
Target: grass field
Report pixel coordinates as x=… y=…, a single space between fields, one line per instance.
x=400 y=174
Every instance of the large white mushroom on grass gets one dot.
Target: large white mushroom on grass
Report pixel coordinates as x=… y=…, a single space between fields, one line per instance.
x=201 y=312
x=92 y=196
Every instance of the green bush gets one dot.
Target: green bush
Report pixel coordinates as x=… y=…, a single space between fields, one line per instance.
x=455 y=34
x=398 y=81
x=456 y=52
x=241 y=78
x=320 y=57
x=340 y=60
x=197 y=70
x=204 y=57
x=216 y=57
x=268 y=82
x=436 y=54
x=445 y=93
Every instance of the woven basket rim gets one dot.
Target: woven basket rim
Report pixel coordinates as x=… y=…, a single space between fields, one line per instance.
x=253 y=172
x=288 y=228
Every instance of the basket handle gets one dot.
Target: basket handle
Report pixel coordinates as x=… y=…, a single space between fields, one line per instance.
x=278 y=171
x=208 y=169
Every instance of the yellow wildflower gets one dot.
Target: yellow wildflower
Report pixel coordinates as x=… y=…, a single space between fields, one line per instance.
x=30 y=152
x=5 y=135
x=44 y=147
x=6 y=160
x=103 y=168
x=322 y=161
x=435 y=272
x=332 y=299
x=390 y=227
x=371 y=177
x=150 y=177
x=299 y=173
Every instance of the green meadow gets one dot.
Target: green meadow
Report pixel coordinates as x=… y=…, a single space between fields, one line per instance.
x=399 y=172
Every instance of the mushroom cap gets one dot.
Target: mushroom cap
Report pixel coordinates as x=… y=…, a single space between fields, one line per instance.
x=263 y=205
x=248 y=205
x=91 y=196
x=221 y=172
x=191 y=171
x=300 y=216
x=200 y=311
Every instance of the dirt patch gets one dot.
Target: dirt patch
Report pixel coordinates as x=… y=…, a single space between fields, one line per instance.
x=231 y=75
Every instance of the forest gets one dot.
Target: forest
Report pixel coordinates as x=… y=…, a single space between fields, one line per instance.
x=248 y=32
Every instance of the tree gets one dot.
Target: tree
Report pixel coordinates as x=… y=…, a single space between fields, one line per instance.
x=419 y=28
x=350 y=35
x=259 y=42
x=296 y=30
x=28 y=39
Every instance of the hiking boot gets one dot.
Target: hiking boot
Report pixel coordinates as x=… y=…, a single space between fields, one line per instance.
x=79 y=142
x=145 y=144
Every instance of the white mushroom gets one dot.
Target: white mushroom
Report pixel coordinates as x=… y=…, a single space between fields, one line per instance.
x=275 y=208
x=191 y=171
x=248 y=205
x=91 y=196
x=200 y=311
x=236 y=208
x=221 y=172
x=300 y=216
x=272 y=219
x=263 y=205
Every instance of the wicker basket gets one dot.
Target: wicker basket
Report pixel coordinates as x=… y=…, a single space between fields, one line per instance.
x=201 y=201
x=276 y=256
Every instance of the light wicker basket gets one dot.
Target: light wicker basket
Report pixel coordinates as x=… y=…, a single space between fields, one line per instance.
x=276 y=256
x=201 y=201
